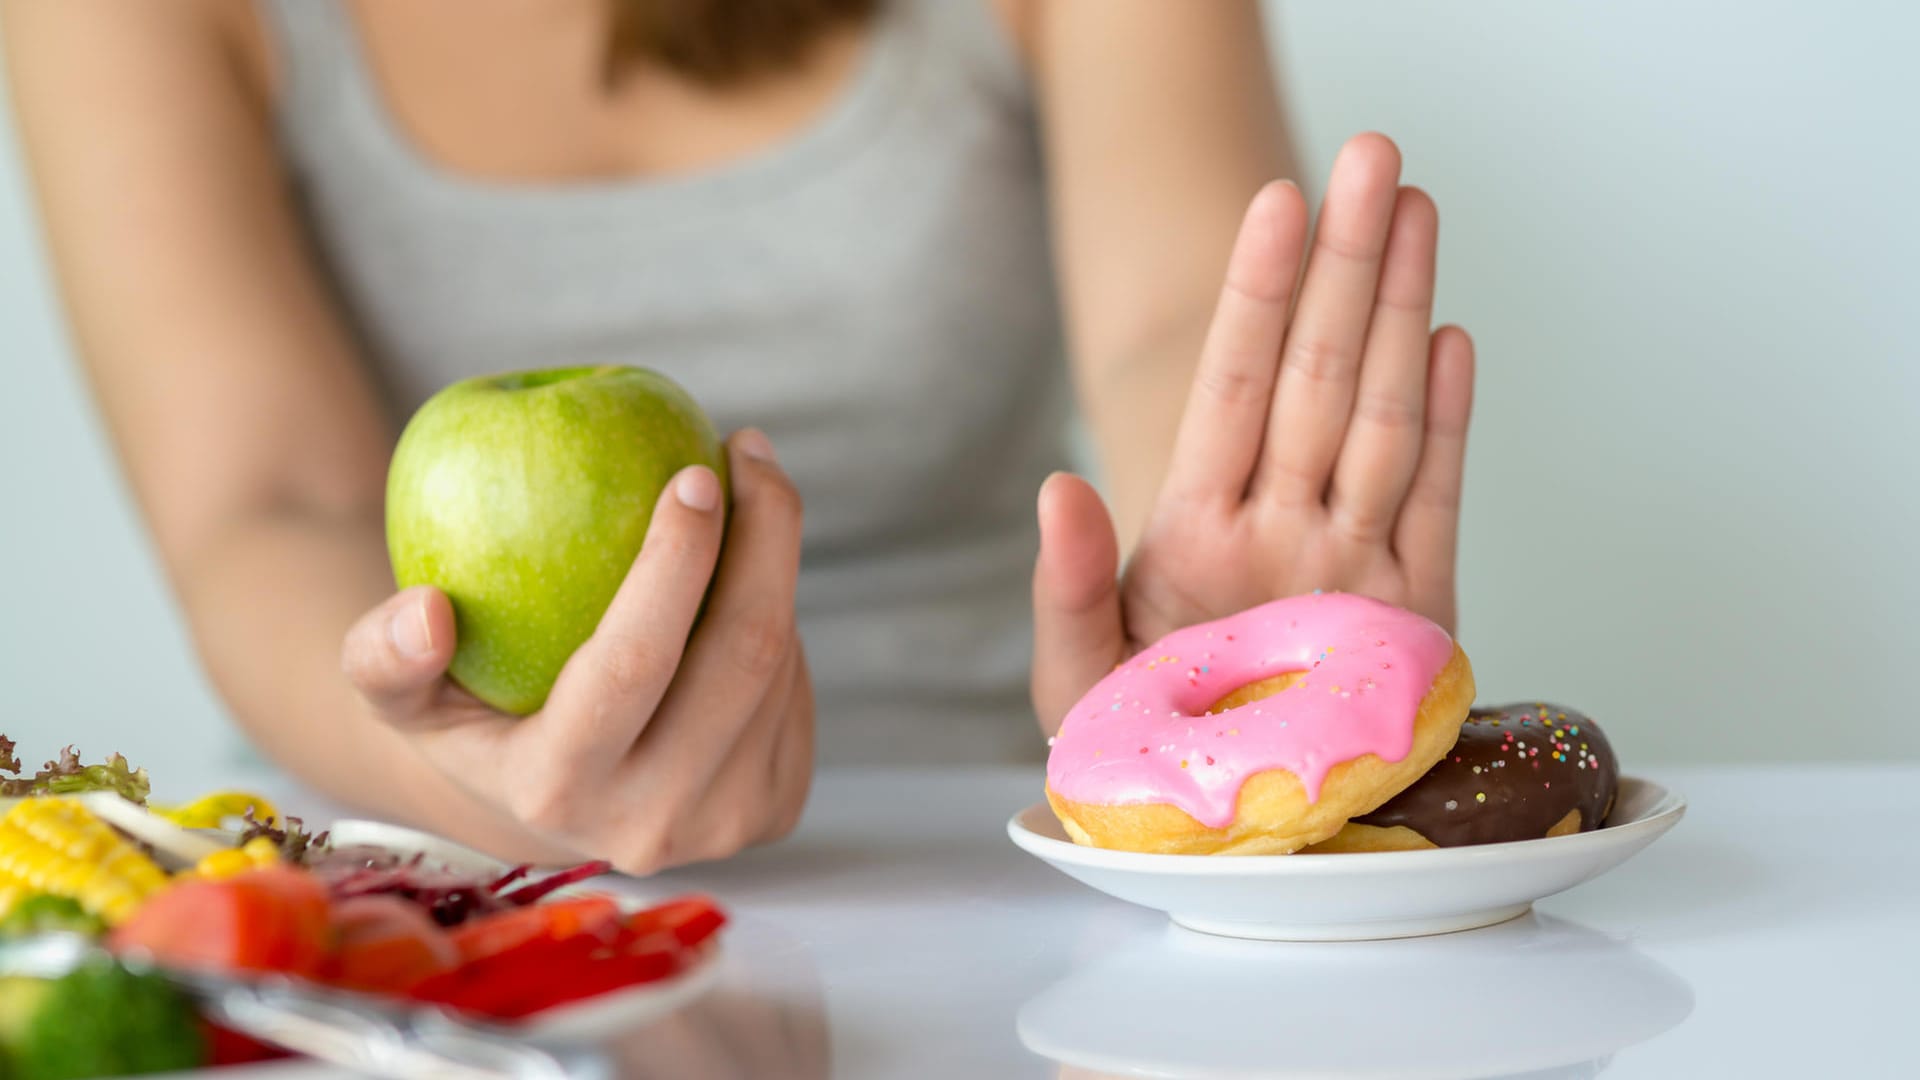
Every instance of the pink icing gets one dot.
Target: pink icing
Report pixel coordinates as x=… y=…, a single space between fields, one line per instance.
x=1142 y=734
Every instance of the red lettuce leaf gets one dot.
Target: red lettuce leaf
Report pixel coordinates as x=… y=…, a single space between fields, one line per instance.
x=67 y=775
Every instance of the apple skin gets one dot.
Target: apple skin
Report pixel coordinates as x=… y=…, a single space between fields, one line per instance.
x=525 y=497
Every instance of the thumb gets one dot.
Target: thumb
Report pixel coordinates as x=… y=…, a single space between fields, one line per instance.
x=1078 y=634
x=397 y=653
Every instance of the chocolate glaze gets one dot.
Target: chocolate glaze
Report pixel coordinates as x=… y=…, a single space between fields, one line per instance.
x=1516 y=771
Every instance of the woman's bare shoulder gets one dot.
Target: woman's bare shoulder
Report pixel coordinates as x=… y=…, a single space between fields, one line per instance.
x=104 y=36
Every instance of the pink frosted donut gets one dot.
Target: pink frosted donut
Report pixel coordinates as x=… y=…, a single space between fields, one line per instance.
x=1262 y=732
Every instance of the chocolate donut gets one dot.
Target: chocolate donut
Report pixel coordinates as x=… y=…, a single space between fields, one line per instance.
x=1518 y=772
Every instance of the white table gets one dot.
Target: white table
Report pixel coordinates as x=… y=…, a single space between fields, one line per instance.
x=1776 y=932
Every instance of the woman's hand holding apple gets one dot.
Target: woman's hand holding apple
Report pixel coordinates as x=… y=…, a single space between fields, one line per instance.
x=662 y=742
x=1321 y=447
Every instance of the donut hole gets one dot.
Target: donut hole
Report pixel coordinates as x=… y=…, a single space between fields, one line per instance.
x=1255 y=691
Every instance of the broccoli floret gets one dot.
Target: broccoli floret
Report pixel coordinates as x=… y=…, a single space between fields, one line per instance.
x=44 y=913
x=98 y=1020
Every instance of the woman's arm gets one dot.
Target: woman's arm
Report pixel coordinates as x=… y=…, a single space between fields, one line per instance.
x=252 y=441
x=1160 y=122
x=257 y=450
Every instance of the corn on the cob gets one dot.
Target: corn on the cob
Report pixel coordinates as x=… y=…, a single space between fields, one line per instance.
x=57 y=846
x=253 y=855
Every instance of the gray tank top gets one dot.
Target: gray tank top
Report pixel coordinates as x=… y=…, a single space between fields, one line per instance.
x=875 y=293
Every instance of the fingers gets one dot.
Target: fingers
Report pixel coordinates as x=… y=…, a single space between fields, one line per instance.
x=1077 y=627
x=1226 y=413
x=1320 y=361
x=397 y=654
x=740 y=804
x=793 y=755
x=1382 y=446
x=744 y=639
x=613 y=683
x=760 y=790
x=1429 y=527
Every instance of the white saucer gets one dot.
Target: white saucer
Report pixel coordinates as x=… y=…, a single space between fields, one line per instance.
x=1538 y=996
x=1357 y=896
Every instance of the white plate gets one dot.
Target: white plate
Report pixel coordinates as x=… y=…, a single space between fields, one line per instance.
x=1361 y=896
x=357 y=832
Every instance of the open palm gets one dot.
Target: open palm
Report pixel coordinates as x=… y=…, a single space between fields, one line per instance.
x=1321 y=446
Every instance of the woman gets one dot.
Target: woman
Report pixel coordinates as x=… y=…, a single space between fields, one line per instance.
x=280 y=226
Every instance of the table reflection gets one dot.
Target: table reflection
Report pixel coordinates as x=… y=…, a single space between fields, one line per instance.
x=1535 y=997
x=765 y=1016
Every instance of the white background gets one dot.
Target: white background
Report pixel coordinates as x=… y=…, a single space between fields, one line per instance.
x=1682 y=236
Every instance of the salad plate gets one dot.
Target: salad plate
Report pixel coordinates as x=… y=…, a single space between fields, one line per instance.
x=592 y=1018
x=142 y=936
x=1357 y=896
x=376 y=863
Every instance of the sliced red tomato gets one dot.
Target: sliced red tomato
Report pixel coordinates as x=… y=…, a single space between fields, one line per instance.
x=273 y=919
x=535 y=980
x=689 y=919
x=387 y=944
x=553 y=920
x=521 y=962
x=519 y=981
x=656 y=957
x=228 y=1047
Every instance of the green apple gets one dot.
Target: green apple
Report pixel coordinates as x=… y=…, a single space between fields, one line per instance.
x=524 y=497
